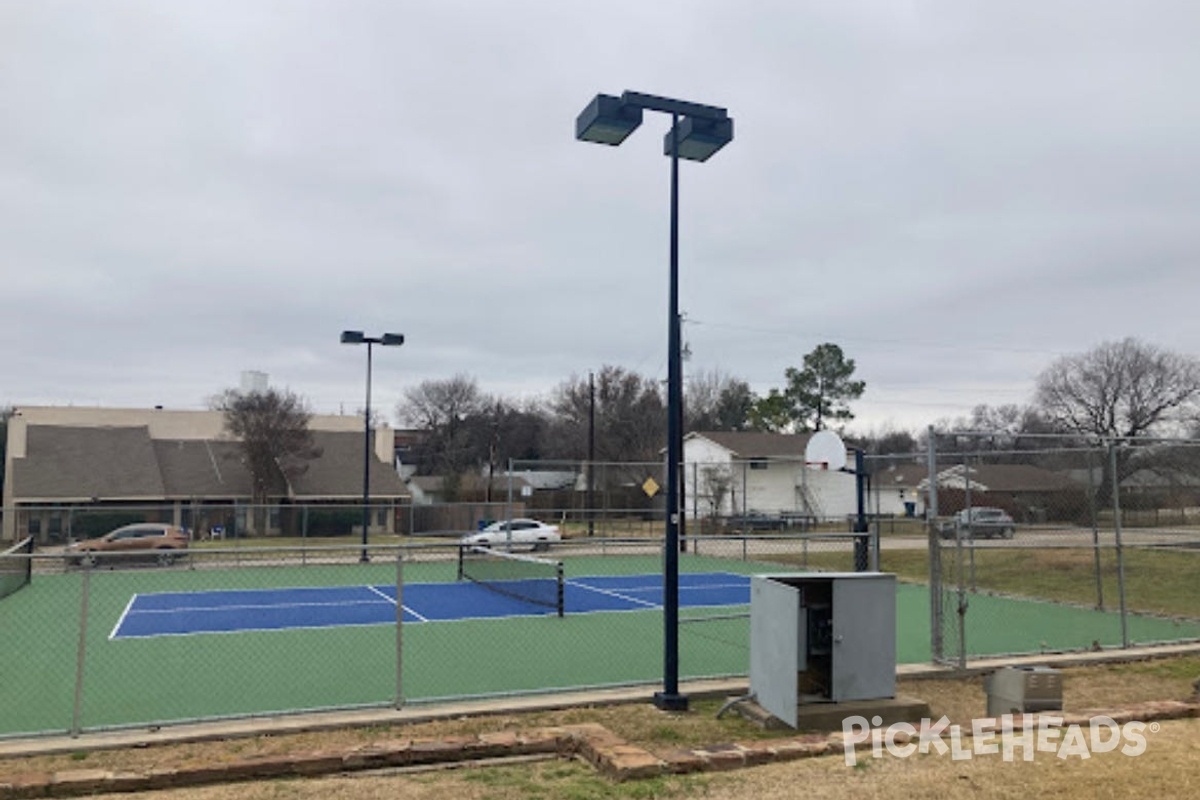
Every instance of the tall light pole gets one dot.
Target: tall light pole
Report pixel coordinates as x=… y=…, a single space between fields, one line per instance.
x=697 y=132
x=388 y=339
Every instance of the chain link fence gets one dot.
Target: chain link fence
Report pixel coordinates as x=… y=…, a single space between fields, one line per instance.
x=1060 y=546
x=238 y=631
x=997 y=551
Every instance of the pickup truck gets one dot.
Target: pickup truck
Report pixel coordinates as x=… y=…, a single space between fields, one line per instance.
x=981 y=521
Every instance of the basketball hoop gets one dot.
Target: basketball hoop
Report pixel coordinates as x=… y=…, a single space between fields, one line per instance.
x=825 y=451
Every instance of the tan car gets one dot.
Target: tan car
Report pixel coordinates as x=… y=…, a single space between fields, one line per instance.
x=148 y=541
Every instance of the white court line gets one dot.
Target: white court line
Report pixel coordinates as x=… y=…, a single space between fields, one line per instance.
x=392 y=600
x=121 y=619
x=617 y=595
x=253 y=606
x=236 y=631
x=415 y=614
x=384 y=595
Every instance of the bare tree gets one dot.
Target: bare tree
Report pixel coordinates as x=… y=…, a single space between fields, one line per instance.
x=276 y=442
x=716 y=482
x=1015 y=429
x=714 y=401
x=501 y=431
x=442 y=408
x=888 y=440
x=630 y=417
x=1126 y=390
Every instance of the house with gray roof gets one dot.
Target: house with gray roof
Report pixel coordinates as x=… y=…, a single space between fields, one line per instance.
x=63 y=464
x=1027 y=492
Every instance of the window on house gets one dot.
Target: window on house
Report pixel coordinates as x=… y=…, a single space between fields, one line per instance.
x=758 y=463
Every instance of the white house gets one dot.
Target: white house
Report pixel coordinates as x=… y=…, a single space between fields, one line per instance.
x=727 y=472
x=900 y=489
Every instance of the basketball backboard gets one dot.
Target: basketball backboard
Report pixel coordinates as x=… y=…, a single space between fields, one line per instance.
x=825 y=450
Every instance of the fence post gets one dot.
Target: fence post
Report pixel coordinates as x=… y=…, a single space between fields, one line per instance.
x=77 y=706
x=400 y=627
x=1095 y=513
x=1116 y=503
x=961 y=608
x=935 y=554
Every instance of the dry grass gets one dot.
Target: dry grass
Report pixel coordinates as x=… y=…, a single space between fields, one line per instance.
x=1172 y=760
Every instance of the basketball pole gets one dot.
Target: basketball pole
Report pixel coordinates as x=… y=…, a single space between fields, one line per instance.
x=862 y=543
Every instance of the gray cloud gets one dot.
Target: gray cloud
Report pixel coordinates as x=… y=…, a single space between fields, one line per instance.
x=955 y=192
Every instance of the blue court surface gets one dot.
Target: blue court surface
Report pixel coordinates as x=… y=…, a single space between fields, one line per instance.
x=184 y=613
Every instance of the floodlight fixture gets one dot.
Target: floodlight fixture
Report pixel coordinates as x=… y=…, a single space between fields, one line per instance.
x=699 y=139
x=607 y=120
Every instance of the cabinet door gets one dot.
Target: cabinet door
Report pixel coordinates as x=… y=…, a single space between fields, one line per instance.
x=776 y=646
x=864 y=638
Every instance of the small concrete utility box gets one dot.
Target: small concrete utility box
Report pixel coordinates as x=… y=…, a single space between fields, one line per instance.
x=1017 y=690
x=821 y=637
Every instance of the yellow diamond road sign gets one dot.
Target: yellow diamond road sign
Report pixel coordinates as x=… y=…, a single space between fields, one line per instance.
x=650 y=487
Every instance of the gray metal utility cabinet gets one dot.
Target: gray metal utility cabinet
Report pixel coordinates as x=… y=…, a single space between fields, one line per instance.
x=821 y=637
x=1016 y=690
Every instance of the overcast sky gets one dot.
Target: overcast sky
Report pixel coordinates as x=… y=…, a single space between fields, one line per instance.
x=954 y=192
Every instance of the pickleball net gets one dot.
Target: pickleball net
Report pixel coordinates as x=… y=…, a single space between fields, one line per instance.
x=533 y=580
x=16 y=567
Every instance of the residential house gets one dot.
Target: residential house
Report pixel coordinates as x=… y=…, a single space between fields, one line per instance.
x=174 y=466
x=743 y=472
x=896 y=489
x=1027 y=492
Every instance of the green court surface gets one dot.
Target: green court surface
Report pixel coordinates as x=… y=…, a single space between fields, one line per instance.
x=135 y=682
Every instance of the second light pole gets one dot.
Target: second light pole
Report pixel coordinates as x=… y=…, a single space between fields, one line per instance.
x=388 y=339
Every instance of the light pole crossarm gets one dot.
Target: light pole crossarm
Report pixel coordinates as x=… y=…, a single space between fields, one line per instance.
x=668 y=105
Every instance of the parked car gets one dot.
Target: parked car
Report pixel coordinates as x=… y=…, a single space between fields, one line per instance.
x=145 y=541
x=756 y=521
x=520 y=531
x=981 y=521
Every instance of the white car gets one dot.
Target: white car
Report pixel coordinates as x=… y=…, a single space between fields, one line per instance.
x=520 y=531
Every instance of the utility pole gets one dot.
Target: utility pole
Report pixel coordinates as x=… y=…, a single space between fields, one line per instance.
x=591 y=514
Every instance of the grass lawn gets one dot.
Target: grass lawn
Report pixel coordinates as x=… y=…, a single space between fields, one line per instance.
x=1157 y=581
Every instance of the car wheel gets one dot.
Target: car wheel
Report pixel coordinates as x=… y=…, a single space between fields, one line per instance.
x=86 y=560
x=164 y=558
x=541 y=546
x=1008 y=533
